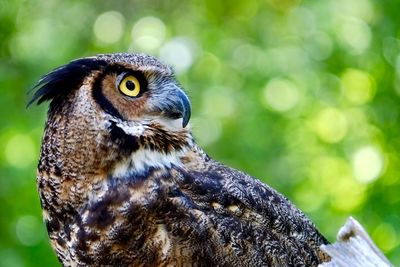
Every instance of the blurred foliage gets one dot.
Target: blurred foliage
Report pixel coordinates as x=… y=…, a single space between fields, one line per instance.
x=302 y=94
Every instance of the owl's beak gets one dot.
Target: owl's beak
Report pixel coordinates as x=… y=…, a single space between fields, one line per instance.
x=178 y=106
x=185 y=108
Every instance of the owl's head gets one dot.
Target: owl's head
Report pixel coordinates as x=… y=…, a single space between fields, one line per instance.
x=126 y=86
x=107 y=107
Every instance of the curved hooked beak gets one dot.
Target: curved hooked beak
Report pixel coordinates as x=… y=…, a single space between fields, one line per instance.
x=177 y=106
x=185 y=108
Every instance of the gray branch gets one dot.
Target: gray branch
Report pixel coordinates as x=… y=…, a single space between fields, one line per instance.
x=355 y=248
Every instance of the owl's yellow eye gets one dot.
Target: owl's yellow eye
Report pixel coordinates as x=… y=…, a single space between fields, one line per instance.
x=129 y=86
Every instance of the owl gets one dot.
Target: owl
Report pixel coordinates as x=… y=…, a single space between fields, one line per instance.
x=122 y=181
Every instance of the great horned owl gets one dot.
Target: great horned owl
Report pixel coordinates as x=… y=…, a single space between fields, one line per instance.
x=122 y=181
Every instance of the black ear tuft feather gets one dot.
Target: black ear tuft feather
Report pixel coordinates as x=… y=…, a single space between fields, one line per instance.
x=62 y=80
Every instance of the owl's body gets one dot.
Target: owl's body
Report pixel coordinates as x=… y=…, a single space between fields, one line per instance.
x=123 y=183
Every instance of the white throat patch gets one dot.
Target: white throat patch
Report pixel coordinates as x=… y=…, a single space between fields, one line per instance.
x=131 y=127
x=143 y=159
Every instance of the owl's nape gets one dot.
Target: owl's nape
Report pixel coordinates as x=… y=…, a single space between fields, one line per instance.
x=122 y=181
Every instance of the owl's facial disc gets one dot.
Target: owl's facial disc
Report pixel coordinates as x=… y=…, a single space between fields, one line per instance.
x=133 y=95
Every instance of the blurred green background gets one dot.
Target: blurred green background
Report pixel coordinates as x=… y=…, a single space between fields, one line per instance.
x=302 y=94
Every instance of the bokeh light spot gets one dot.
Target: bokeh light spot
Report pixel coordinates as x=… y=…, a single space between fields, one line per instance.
x=348 y=193
x=332 y=176
x=218 y=103
x=302 y=21
x=331 y=125
x=391 y=50
x=244 y=55
x=213 y=132
x=308 y=200
x=30 y=39
x=11 y=258
x=28 y=230
x=280 y=95
x=358 y=86
x=109 y=27
x=321 y=46
x=367 y=164
x=385 y=237
x=362 y=9
x=148 y=33
x=355 y=34
x=180 y=52
x=397 y=65
x=299 y=60
x=20 y=151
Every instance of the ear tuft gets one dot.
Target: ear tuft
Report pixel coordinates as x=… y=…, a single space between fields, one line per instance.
x=62 y=80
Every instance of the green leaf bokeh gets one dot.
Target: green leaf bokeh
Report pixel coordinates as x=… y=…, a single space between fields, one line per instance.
x=301 y=94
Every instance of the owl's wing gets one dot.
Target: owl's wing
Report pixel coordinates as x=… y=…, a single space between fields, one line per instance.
x=246 y=221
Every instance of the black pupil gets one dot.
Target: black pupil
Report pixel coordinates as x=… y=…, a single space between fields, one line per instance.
x=130 y=85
